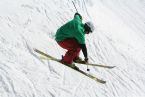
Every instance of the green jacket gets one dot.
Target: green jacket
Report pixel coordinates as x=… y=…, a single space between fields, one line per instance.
x=72 y=29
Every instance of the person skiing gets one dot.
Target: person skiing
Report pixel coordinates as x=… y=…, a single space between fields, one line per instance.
x=71 y=36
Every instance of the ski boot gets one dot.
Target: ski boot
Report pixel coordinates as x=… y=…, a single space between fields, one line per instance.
x=79 y=60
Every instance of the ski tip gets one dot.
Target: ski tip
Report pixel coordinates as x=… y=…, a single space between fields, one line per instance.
x=111 y=67
x=102 y=81
x=34 y=49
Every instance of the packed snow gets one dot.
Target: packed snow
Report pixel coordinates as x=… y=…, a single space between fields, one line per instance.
x=118 y=40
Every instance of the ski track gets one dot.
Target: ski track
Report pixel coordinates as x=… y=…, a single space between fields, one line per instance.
x=118 y=40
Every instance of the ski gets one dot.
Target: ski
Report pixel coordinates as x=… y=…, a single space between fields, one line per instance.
x=98 y=65
x=48 y=57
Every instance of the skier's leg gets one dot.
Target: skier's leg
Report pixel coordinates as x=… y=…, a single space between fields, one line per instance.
x=73 y=50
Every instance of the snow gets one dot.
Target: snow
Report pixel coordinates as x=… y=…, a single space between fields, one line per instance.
x=117 y=40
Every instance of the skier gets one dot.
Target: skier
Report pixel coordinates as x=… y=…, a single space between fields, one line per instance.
x=71 y=36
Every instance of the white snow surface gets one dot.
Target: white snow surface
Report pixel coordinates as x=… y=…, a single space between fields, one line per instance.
x=118 y=39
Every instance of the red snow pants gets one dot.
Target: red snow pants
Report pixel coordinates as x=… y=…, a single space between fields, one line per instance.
x=73 y=50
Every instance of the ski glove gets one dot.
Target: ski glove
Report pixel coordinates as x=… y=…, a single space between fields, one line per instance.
x=86 y=60
x=78 y=15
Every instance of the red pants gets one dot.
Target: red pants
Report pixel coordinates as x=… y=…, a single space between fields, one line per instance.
x=73 y=48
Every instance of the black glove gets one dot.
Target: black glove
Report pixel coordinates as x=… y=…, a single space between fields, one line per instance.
x=86 y=60
x=78 y=15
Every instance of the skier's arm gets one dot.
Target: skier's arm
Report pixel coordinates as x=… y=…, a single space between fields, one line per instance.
x=84 y=50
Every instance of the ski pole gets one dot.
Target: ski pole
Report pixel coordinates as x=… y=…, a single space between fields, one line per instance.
x=75 y=6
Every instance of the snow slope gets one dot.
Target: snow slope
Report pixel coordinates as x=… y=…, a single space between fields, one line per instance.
x=117 y=40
